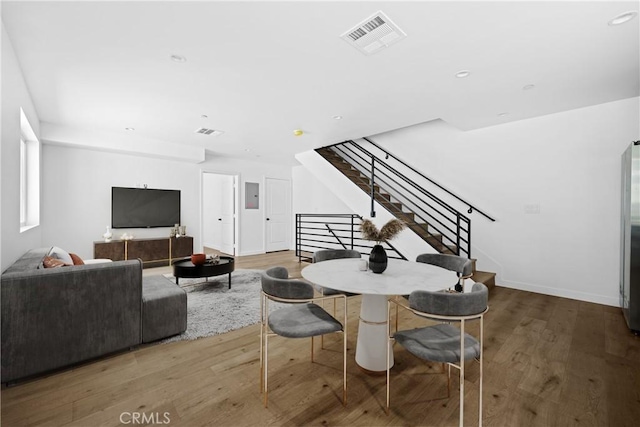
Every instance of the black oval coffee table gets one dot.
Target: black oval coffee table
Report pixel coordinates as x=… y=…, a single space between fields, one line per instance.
x=184 y=268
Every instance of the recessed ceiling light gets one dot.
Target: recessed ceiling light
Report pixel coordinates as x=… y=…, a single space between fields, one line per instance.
x=623 y=17
x=298 y=132
x=129 y=129
x=247 y=150
x=337 y=117
x=178 y=58
x=462 y=74
x=502 y=114
x=528 y=87
x=204 y=116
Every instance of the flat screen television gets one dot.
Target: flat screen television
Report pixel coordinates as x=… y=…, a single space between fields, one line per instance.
x=144 y=207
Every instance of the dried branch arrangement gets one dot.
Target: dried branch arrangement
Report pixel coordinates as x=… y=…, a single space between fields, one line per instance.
x=388 y=231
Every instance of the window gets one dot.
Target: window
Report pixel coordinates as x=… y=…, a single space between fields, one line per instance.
x=29 y=176
x=23 y=182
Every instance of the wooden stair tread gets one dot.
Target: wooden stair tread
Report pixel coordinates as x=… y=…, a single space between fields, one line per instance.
x=486 y=277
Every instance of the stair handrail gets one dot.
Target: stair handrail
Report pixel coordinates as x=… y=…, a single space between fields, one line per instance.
x=404 y=177
x=345 y=149
x=471 y=207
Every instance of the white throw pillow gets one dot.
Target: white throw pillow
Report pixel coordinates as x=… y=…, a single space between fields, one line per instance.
x=61 y=254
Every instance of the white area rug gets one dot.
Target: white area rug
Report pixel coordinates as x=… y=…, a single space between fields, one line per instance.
x=213 y=308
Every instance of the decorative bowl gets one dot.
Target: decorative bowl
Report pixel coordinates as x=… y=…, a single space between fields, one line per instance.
x=198 y=259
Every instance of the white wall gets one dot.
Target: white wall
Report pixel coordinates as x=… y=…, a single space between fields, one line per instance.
x=567 y=163
x=77 y=194
x=76 y=183
x=311 y=195
x=15 y=95
x=251 y=221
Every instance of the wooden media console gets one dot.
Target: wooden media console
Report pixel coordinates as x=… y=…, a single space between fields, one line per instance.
x=154 y=252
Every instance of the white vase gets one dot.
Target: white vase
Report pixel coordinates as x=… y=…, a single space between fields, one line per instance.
x=108 y=235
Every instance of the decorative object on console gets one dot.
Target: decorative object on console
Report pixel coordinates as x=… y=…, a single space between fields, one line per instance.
x=183 y=230
x=108 y=235
x=126 y=236
x=198 y=259
x=378 y=257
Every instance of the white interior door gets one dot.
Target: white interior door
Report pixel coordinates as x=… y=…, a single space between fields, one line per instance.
x=218 y=212
x=277 y=214
x=227 y=215
x=210 y=210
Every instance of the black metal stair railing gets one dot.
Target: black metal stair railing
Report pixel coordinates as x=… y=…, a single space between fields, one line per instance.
x=436 y=221
x=333 y=231
x=426 y=178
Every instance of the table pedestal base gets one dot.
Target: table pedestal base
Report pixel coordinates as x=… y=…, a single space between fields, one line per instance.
x=372 y=335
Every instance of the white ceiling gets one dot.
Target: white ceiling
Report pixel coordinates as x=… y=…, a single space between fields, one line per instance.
x=261 y=69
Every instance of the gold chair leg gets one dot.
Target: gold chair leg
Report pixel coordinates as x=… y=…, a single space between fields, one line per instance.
x=266 y=371
x=481 y=360
x=344 y=369
x=334 y=315
x=261 y=343
x=388 y=343
x=461 y=373
x=396 y=317
x=344 y=356
x=388 y=378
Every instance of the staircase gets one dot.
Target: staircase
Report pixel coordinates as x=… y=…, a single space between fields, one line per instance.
x=396 y=208
x=443 y=228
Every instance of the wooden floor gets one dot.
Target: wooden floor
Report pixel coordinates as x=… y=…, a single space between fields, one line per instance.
x=548 y=361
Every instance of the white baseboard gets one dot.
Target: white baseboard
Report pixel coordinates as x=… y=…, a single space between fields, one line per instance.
x=564 y=293
x=251 y=253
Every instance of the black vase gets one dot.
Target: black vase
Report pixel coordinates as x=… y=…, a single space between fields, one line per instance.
x=378 y=259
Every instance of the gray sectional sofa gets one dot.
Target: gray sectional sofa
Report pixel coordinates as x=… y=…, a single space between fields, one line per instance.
x=55 y=317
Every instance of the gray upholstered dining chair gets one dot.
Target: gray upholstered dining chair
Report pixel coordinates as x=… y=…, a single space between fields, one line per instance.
x=444 y=342
x=326 y=255
x=462 y=266
x=329 y=254
x=300 y=318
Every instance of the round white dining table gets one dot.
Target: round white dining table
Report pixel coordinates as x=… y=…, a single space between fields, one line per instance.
x=400 y=278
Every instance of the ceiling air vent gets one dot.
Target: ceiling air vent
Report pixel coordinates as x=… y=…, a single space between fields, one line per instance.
x=205 y=131
x=373 y=34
